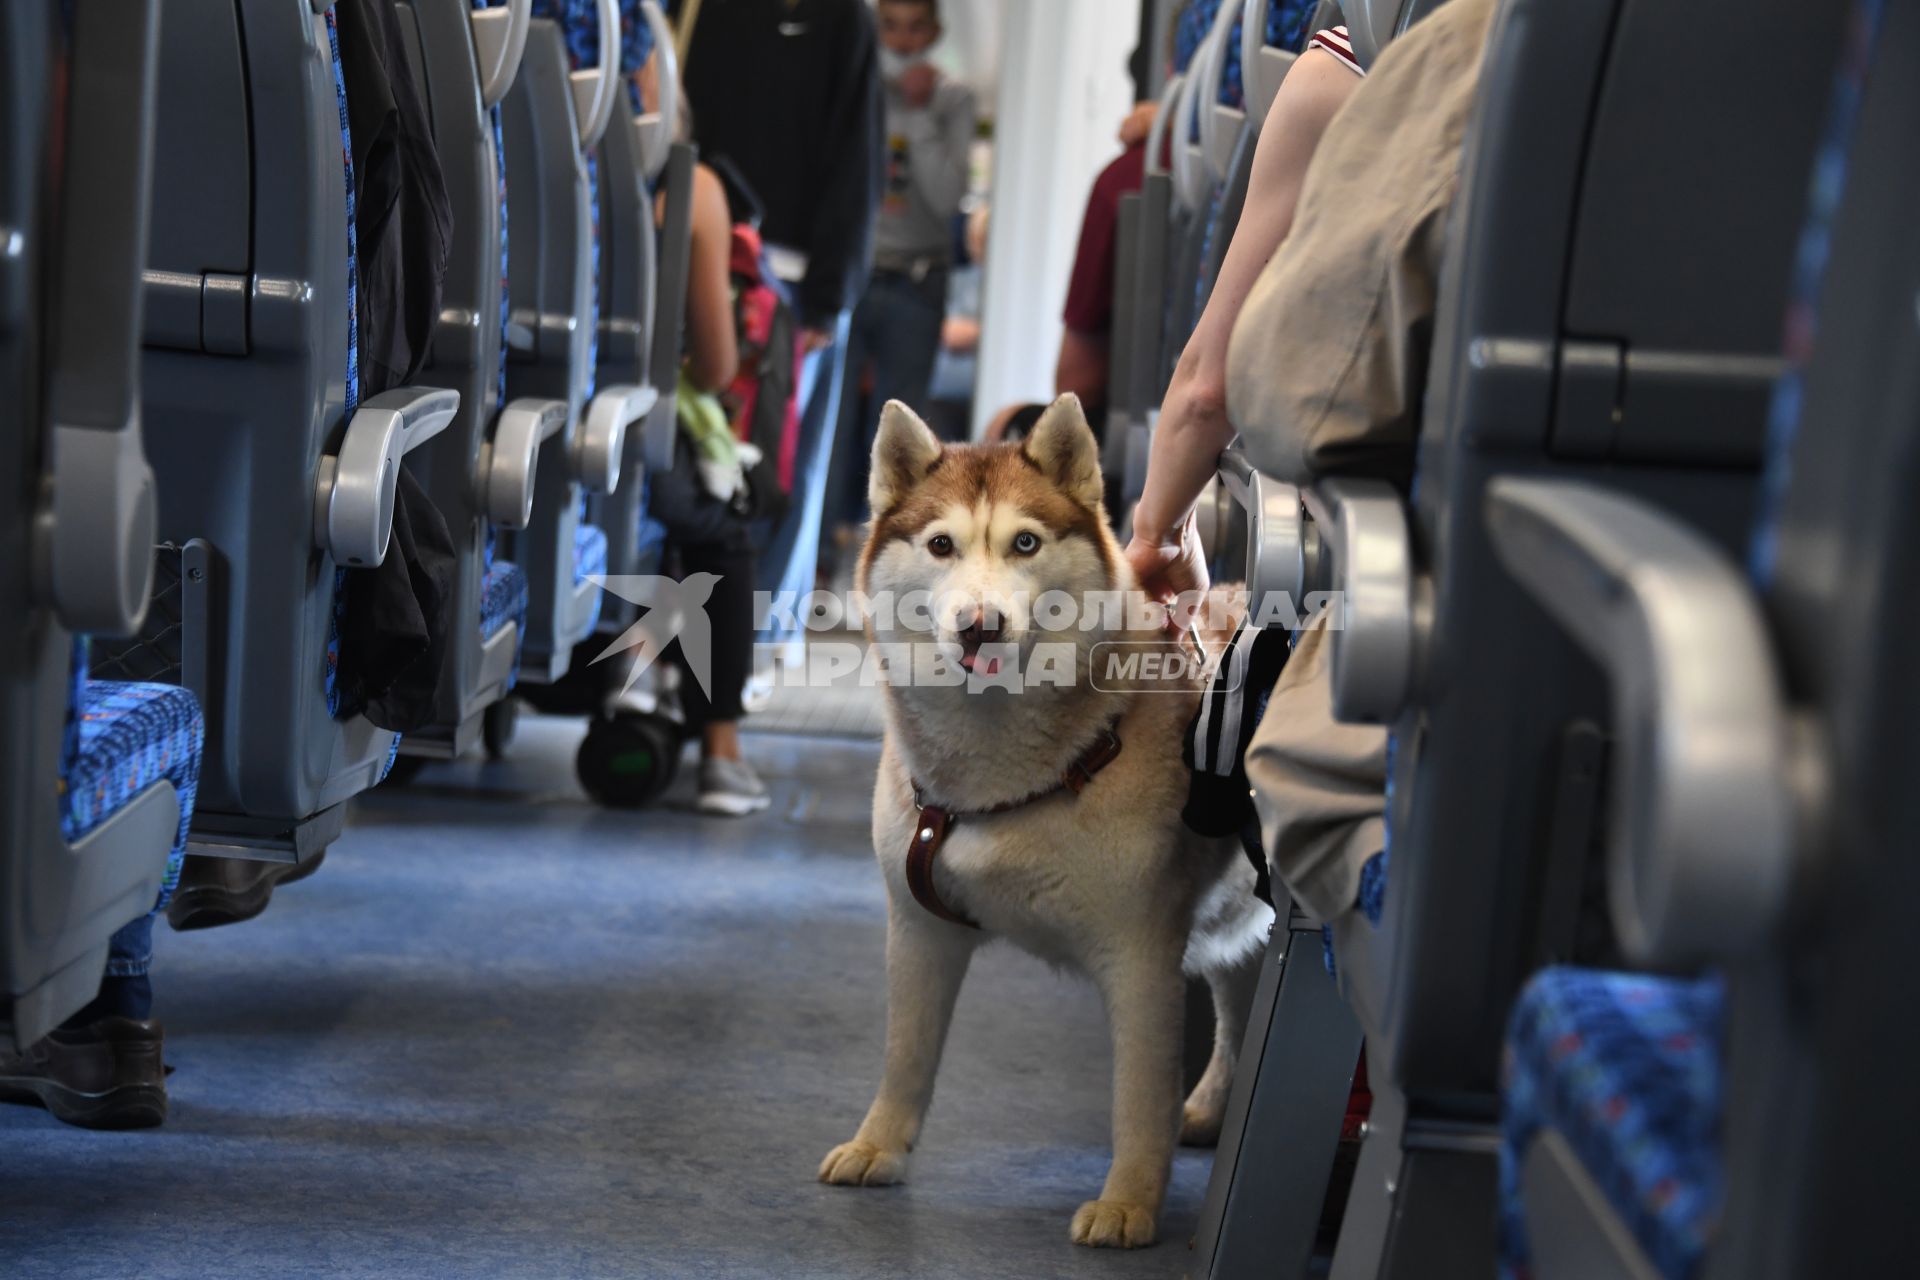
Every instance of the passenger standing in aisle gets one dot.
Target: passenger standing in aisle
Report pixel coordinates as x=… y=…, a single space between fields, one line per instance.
x=789 y=90
x=930 y=125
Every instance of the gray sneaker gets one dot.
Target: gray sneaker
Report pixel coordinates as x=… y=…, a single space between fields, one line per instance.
x=731 y=789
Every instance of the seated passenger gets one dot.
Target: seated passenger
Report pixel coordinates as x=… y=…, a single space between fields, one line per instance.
x=1194 y=428
x=102 y=1068
x=707 y=531
x=1325 y=372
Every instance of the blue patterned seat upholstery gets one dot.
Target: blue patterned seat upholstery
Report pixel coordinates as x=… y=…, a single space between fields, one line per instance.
x=1627 y=1067
x=123 y=737
x=503 y=597
x=590 y=561
x=335 y=704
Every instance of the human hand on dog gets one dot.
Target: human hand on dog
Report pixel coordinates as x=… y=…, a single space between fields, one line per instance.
x=1172 y=570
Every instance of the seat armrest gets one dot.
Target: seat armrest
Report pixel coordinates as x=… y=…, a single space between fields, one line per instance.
x=595 y=88
x=354 y=490
x=509 y=457
x=1363 y=524
x=1277 y=530
x=1702 y=813
x=600 y=445
x=499 y=40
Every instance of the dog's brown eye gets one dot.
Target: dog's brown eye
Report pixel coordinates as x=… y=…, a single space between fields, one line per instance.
x=1026 y=542
x=941 y=545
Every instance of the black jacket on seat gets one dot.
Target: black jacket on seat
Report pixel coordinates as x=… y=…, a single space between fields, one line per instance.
x=396 y=620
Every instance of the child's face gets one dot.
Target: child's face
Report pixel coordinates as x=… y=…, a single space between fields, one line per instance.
x=907 y=27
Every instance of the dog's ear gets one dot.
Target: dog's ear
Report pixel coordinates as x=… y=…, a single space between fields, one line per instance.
x=903 y=453
x=1063 y=447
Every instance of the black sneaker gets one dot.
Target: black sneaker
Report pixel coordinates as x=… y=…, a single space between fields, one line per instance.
x=104 y=1075
x=217 y=891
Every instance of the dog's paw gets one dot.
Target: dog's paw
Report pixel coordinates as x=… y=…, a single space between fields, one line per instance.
x=861 y=1164
x=1113 y=1224
x=1200 y=1125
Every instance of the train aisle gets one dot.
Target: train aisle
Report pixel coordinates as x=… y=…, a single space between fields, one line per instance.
x=505 y=1033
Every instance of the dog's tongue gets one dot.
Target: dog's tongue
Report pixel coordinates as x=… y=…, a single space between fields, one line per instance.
x=971 y=660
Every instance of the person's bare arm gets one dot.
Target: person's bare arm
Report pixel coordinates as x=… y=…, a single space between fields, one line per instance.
x=1083 y=368
x=1193 y=429
x=713 y=353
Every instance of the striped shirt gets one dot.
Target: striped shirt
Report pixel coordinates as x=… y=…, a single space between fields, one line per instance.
x=1337 y=42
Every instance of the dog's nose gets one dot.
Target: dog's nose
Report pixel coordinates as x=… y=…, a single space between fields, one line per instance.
x=978 y=632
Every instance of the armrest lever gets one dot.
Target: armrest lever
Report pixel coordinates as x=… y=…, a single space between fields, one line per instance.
x=508 y=459
x=600 y=445
x=354 y=490
x=1276 y=531
x=1701 y=833
x=1364 y=523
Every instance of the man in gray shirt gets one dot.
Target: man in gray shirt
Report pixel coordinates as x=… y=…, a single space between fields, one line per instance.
x=929 y=138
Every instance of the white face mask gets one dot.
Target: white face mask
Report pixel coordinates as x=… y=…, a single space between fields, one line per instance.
x=894 y=65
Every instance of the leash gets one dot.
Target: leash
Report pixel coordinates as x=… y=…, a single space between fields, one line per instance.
x=936 y=822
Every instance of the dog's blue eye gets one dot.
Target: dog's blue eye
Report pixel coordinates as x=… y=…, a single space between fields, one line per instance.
x=1026 y=543
x=940 y=545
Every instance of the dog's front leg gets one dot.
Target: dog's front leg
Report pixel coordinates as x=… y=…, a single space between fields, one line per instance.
x=1145 y=994
x=926 y=962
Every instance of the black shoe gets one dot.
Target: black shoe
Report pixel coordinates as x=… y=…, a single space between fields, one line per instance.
x=104 y=1075
x=217 y=891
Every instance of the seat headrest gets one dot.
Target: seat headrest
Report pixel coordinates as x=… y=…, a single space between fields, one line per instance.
x=1370 y=24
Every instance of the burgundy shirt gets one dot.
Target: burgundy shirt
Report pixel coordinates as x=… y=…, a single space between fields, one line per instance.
x=1090 y=294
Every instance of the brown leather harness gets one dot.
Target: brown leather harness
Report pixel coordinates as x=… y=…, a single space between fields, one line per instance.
x=936 y=822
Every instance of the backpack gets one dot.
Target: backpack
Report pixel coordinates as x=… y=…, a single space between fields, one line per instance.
x=763 y=401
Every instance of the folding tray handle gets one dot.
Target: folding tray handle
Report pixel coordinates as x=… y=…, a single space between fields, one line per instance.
x=1262 y=67
x=655 y=130
x=595 y=88
x=499 y=40
x=1215 y=121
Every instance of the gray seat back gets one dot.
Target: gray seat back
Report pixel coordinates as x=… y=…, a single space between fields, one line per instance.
x=69 y=311
x=1495 y=855
x=251 y=391
x=1837 y=555
x=551 y=302
x=467 y=354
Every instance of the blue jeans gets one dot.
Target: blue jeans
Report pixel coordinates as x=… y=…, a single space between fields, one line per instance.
x=897 y=326
x=130 y=950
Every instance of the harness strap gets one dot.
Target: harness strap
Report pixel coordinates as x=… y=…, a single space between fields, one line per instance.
x=935 y=823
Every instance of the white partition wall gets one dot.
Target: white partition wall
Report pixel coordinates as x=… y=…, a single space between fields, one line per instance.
x=1063 y=91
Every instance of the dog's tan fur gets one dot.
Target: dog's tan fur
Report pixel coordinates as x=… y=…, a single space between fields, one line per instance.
x=1110 y=882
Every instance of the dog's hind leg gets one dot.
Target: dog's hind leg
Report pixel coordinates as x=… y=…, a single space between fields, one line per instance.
x=1206 y=1106
x=926 y=962
x=1146 y=1003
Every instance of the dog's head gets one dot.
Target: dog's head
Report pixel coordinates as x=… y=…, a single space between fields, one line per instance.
x=1007 y=544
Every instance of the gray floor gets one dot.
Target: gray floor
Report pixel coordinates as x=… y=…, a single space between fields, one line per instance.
x=503 y=1033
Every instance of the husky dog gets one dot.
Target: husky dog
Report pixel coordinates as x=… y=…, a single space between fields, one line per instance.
x=1098 y=874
